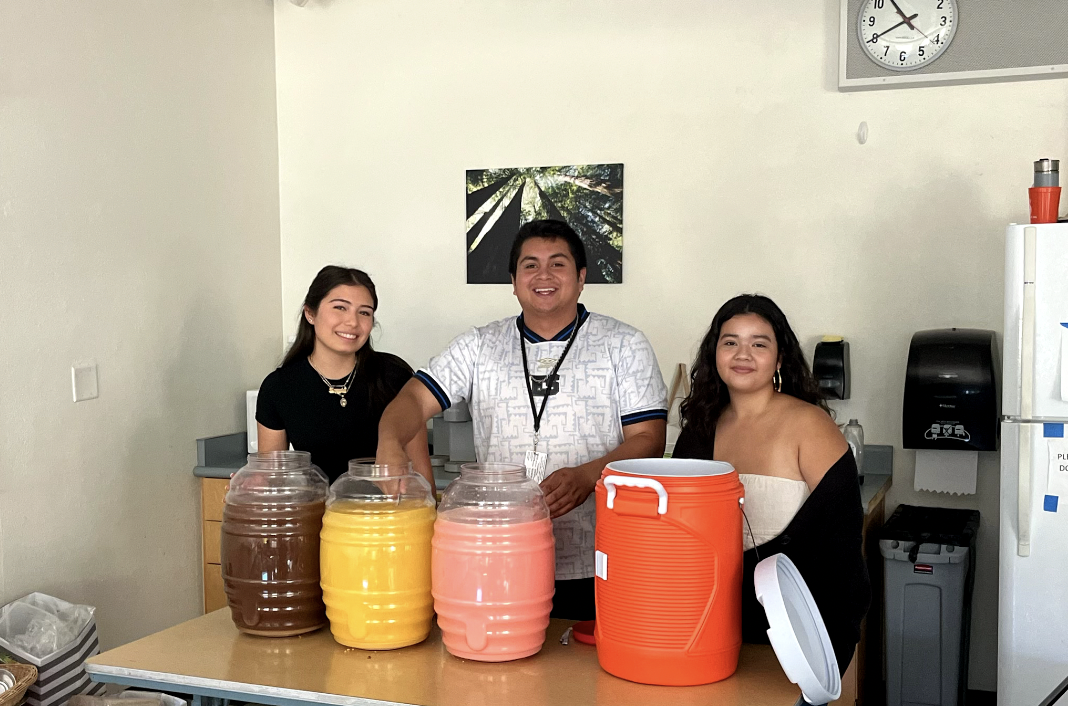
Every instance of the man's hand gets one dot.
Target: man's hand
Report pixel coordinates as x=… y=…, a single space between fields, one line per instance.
x=390 y=452
x=565 y=489
x=402 y=430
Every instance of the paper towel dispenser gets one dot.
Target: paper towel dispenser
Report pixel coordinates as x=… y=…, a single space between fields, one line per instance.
x=951 y=391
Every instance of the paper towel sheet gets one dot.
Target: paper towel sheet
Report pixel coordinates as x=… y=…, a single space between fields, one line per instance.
x=947 y=471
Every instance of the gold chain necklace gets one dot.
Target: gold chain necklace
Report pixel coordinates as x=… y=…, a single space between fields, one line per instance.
x=339 y=390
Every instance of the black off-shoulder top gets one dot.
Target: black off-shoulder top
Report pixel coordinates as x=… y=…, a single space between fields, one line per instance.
x=824 y=541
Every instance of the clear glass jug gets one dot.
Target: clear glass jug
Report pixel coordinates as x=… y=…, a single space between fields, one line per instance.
x=376 y=556
x=269 y=544
x=494 y=565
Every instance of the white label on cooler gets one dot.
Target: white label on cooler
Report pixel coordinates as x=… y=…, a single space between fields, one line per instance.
x=601 y=565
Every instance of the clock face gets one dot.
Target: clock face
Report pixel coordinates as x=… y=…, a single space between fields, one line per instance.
x=903 y=35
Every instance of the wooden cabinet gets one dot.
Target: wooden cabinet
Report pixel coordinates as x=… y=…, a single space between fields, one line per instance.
x=870 y=685
x=863 y=681
x=212 y=531
x=212 y=495
x=214 y=594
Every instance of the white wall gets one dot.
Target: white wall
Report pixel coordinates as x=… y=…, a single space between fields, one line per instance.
x=743 y=173
x=139 y=228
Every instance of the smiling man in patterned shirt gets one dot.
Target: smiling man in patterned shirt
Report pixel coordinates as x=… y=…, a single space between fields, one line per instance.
x=557 y=388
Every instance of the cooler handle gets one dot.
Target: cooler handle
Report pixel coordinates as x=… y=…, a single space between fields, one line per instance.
x=610 y=483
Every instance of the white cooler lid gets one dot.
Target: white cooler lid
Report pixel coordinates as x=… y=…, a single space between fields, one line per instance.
x=797 y=632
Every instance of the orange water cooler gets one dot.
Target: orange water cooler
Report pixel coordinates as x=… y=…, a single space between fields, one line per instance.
x=669 y=570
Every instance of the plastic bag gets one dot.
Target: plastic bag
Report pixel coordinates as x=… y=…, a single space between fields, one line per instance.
x=129 y=698
x=83 y=700
x=158 y=698
x=41 y=625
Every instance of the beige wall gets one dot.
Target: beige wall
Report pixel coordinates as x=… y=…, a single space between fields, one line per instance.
x=138 y=228
x=743 y=173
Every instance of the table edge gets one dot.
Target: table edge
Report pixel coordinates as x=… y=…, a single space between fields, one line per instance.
x=214 y=687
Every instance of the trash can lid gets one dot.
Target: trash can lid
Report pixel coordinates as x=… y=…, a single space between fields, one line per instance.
x=797 y=632
x=932 y=525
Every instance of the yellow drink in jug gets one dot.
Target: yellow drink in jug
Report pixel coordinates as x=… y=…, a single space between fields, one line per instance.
x=375 y=572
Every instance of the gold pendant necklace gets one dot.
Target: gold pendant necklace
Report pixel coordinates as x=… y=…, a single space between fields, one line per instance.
x=339 y=390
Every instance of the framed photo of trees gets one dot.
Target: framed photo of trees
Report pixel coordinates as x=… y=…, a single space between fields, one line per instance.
x=589 y=197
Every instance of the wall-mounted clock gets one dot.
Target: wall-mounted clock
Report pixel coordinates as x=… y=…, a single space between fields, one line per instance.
x=904 y=35
x=1001 y=40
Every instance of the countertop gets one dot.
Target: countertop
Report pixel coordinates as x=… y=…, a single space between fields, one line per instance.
x=208 y=655
x=221 y=456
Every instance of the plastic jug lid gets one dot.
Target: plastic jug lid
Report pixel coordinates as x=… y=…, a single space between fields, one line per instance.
x=797 y=632
x=584 y=631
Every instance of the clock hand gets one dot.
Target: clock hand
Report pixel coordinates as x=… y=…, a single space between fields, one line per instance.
x=888 y=29
x=908 y=20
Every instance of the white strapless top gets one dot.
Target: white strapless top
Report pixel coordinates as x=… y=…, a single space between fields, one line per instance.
x=770 y=503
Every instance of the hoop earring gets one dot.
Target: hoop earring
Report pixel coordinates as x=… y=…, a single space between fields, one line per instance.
x=776 y=380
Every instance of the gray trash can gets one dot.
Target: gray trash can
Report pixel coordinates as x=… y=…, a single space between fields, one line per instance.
x=929 y=561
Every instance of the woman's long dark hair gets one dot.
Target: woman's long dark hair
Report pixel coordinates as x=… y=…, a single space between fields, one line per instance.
x=369 y=363
x=709 y=395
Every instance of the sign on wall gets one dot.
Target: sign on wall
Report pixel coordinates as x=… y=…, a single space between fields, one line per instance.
x=589 y=197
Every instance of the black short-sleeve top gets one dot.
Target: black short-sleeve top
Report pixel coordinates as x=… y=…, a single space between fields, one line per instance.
x=295 y=399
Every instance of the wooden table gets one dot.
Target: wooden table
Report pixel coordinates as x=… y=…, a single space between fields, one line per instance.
x=208 y=657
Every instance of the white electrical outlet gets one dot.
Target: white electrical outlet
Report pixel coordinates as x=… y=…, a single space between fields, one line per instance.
x=83 y=380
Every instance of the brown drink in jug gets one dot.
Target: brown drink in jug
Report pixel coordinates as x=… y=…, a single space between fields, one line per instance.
x=270 y=545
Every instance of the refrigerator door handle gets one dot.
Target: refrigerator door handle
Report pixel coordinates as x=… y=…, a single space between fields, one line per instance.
x=1023 y=493
x=1027 y=337
x=1027 y=364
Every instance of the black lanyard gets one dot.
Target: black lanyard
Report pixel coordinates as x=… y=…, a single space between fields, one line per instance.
x=552 y=376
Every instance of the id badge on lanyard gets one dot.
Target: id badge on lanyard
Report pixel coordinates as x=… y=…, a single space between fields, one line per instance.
x=536 y=461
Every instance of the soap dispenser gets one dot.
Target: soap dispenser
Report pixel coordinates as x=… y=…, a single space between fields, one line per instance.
x=830 y=366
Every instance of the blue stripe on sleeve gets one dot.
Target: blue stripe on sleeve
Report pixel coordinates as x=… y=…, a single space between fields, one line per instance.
x=643 y=416
x=435 y=389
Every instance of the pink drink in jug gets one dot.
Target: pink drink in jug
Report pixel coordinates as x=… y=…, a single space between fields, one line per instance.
x=493 y=564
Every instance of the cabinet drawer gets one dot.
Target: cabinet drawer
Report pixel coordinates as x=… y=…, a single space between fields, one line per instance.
x=212 y=533
x=212 y=497
x=214 y=594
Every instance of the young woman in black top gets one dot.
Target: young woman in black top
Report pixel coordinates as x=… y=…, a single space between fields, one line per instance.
x=755 y=404
x=329 y=393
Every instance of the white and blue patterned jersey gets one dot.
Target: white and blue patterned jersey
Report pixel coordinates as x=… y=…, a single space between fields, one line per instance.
x=610 y=378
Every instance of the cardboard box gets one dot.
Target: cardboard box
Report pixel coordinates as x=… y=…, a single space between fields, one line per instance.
x=61 y=674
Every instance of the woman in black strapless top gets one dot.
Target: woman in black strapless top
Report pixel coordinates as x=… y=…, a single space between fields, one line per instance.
x=754 y=403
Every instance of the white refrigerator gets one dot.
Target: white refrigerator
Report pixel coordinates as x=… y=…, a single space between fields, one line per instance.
x=1033 y=578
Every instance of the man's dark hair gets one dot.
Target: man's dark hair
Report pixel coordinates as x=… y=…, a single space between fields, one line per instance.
x=551 y=229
